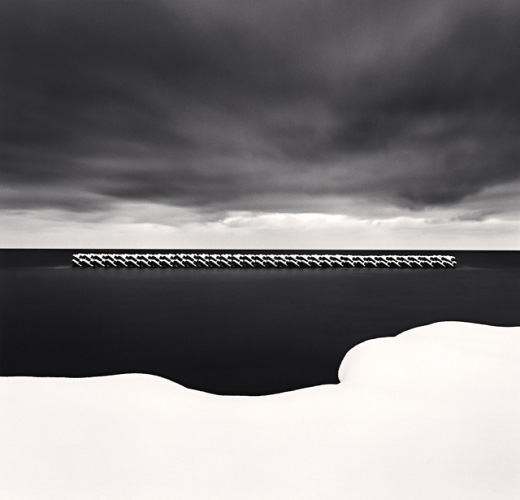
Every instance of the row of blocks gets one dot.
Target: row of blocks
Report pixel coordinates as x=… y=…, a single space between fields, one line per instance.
x=258 y=260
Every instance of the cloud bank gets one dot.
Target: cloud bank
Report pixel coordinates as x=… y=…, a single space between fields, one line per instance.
x=279 y=107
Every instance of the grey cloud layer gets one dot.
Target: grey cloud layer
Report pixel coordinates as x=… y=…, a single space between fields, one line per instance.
x=214 y=104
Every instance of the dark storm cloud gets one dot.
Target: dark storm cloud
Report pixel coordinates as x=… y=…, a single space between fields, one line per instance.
x=214 y=104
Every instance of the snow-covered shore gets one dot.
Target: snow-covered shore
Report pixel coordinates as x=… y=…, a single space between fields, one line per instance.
x=433 y=413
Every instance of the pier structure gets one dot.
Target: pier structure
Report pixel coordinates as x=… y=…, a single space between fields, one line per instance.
x=259 y=260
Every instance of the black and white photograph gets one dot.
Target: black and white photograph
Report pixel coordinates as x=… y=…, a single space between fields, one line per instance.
x=259 y=249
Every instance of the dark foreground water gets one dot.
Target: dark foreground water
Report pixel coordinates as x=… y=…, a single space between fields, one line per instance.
x=230 y=331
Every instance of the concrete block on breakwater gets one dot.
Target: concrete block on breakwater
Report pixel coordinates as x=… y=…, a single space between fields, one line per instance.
x=259 y=260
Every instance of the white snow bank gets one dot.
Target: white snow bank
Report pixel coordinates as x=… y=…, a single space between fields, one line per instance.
x=431 y=414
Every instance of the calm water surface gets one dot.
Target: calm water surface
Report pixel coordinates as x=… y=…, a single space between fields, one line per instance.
x=230 y=331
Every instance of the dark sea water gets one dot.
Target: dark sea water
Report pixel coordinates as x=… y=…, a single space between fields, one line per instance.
x=230 y=331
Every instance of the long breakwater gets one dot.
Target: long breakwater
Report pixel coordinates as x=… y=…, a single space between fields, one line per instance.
x=259 y=260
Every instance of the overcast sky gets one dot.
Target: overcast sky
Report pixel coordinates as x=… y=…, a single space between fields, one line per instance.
x=273 y=123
